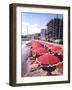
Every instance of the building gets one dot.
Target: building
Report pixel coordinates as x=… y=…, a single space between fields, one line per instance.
x=55 y=29
x=44 y=34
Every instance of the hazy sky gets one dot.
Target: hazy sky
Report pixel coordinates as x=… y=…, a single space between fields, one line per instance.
x=33 y=22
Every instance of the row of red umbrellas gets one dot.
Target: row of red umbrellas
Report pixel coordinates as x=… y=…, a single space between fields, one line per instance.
x=46 y=58
x=53 y=47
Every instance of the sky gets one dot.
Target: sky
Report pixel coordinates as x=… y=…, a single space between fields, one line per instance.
x=34 y=22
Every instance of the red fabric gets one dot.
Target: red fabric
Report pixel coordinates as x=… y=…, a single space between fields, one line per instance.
x=57 y=49
x=48 y=59
x=39 y=50
x=35 y=45
x=47 y=44
x=54 y=48
x=60 y=51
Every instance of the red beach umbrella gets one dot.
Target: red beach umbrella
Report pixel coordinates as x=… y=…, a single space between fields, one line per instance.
x=48 y=59
x=57 y=49
x=54 y=48
x=39 y=50
x=60 y=51
x=35 y=45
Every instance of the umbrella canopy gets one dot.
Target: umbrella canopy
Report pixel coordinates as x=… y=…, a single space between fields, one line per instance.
x=40 y=50
x=60 y=51
x=57 y=49
x=47 y=44
x=48 y=59
x=54 y=48
x=35 y=45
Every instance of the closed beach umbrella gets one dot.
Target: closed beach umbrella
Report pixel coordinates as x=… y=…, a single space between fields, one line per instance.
x=48 y=59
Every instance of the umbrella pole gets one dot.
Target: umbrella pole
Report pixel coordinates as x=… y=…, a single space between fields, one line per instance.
x=49 y=73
